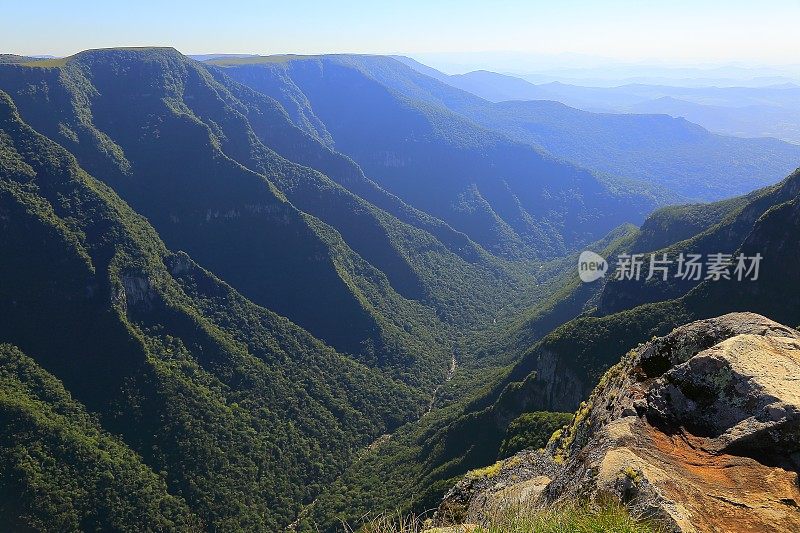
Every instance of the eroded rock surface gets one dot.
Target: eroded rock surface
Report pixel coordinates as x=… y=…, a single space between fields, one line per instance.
x=699 y=429
x=482 y=493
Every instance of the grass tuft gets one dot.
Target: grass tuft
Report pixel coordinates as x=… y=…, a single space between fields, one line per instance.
x=609 y=518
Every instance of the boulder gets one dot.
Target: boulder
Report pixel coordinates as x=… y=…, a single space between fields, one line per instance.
x=743 y=394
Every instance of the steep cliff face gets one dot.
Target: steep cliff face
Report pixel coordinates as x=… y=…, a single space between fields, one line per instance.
x=699 y=429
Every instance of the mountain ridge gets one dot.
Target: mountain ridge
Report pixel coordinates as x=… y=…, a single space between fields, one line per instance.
x=409 y=156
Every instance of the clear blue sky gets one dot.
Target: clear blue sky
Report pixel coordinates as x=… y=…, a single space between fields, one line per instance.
x=757 y=31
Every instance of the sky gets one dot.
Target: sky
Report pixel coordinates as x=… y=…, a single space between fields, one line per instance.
x=754 y=32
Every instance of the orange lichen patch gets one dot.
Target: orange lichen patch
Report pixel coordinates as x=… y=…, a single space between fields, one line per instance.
x=722 y=492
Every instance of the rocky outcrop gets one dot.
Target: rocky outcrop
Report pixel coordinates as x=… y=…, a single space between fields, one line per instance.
x=482 y=493
x=742 y=394
x=699 y=429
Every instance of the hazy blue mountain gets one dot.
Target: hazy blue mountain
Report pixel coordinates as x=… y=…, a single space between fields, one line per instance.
x=424 y=69
x=207 y=57
x=671 y=152
x=613 y=75
x=590 y=70
x=764 y=111
x=640 y=145
x=745 y=121
x=493 y=86
x=509 y=197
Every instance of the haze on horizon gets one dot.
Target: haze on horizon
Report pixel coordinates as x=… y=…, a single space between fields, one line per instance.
x=446 y=34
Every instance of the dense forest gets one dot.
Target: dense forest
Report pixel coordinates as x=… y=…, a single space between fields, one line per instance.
x=247 y=293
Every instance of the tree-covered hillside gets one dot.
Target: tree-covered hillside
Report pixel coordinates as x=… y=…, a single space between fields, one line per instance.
x=156 y=127
x=241 y=414
x=510 y=197
x=701 y=229
x=557 y=372
x=60 y=471
x=160 y=220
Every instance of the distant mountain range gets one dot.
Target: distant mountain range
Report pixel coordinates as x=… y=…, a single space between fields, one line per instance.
x=587 y=70
x=769 y=110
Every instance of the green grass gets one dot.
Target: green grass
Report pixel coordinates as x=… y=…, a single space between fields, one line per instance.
x=610 y=517
x=55 y=62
